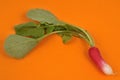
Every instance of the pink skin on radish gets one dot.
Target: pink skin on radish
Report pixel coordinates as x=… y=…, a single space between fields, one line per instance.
x=95 y=55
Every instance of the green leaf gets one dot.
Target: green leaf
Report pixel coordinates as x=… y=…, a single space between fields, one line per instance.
x=42 y=16
x=60 y=28
x=29 y=29
x=76 y=31
x=32 y=32
x=50 y=29
x=25 y=25
x=66 y=37
x=72 y=28
x=73 y=31
x=18 y=46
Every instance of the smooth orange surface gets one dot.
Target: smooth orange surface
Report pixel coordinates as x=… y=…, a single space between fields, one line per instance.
x=52 y=60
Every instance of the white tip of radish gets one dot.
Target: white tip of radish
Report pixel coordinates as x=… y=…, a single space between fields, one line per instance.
x=107 y=69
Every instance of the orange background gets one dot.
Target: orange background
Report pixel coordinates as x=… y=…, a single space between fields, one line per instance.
x=52 y=60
